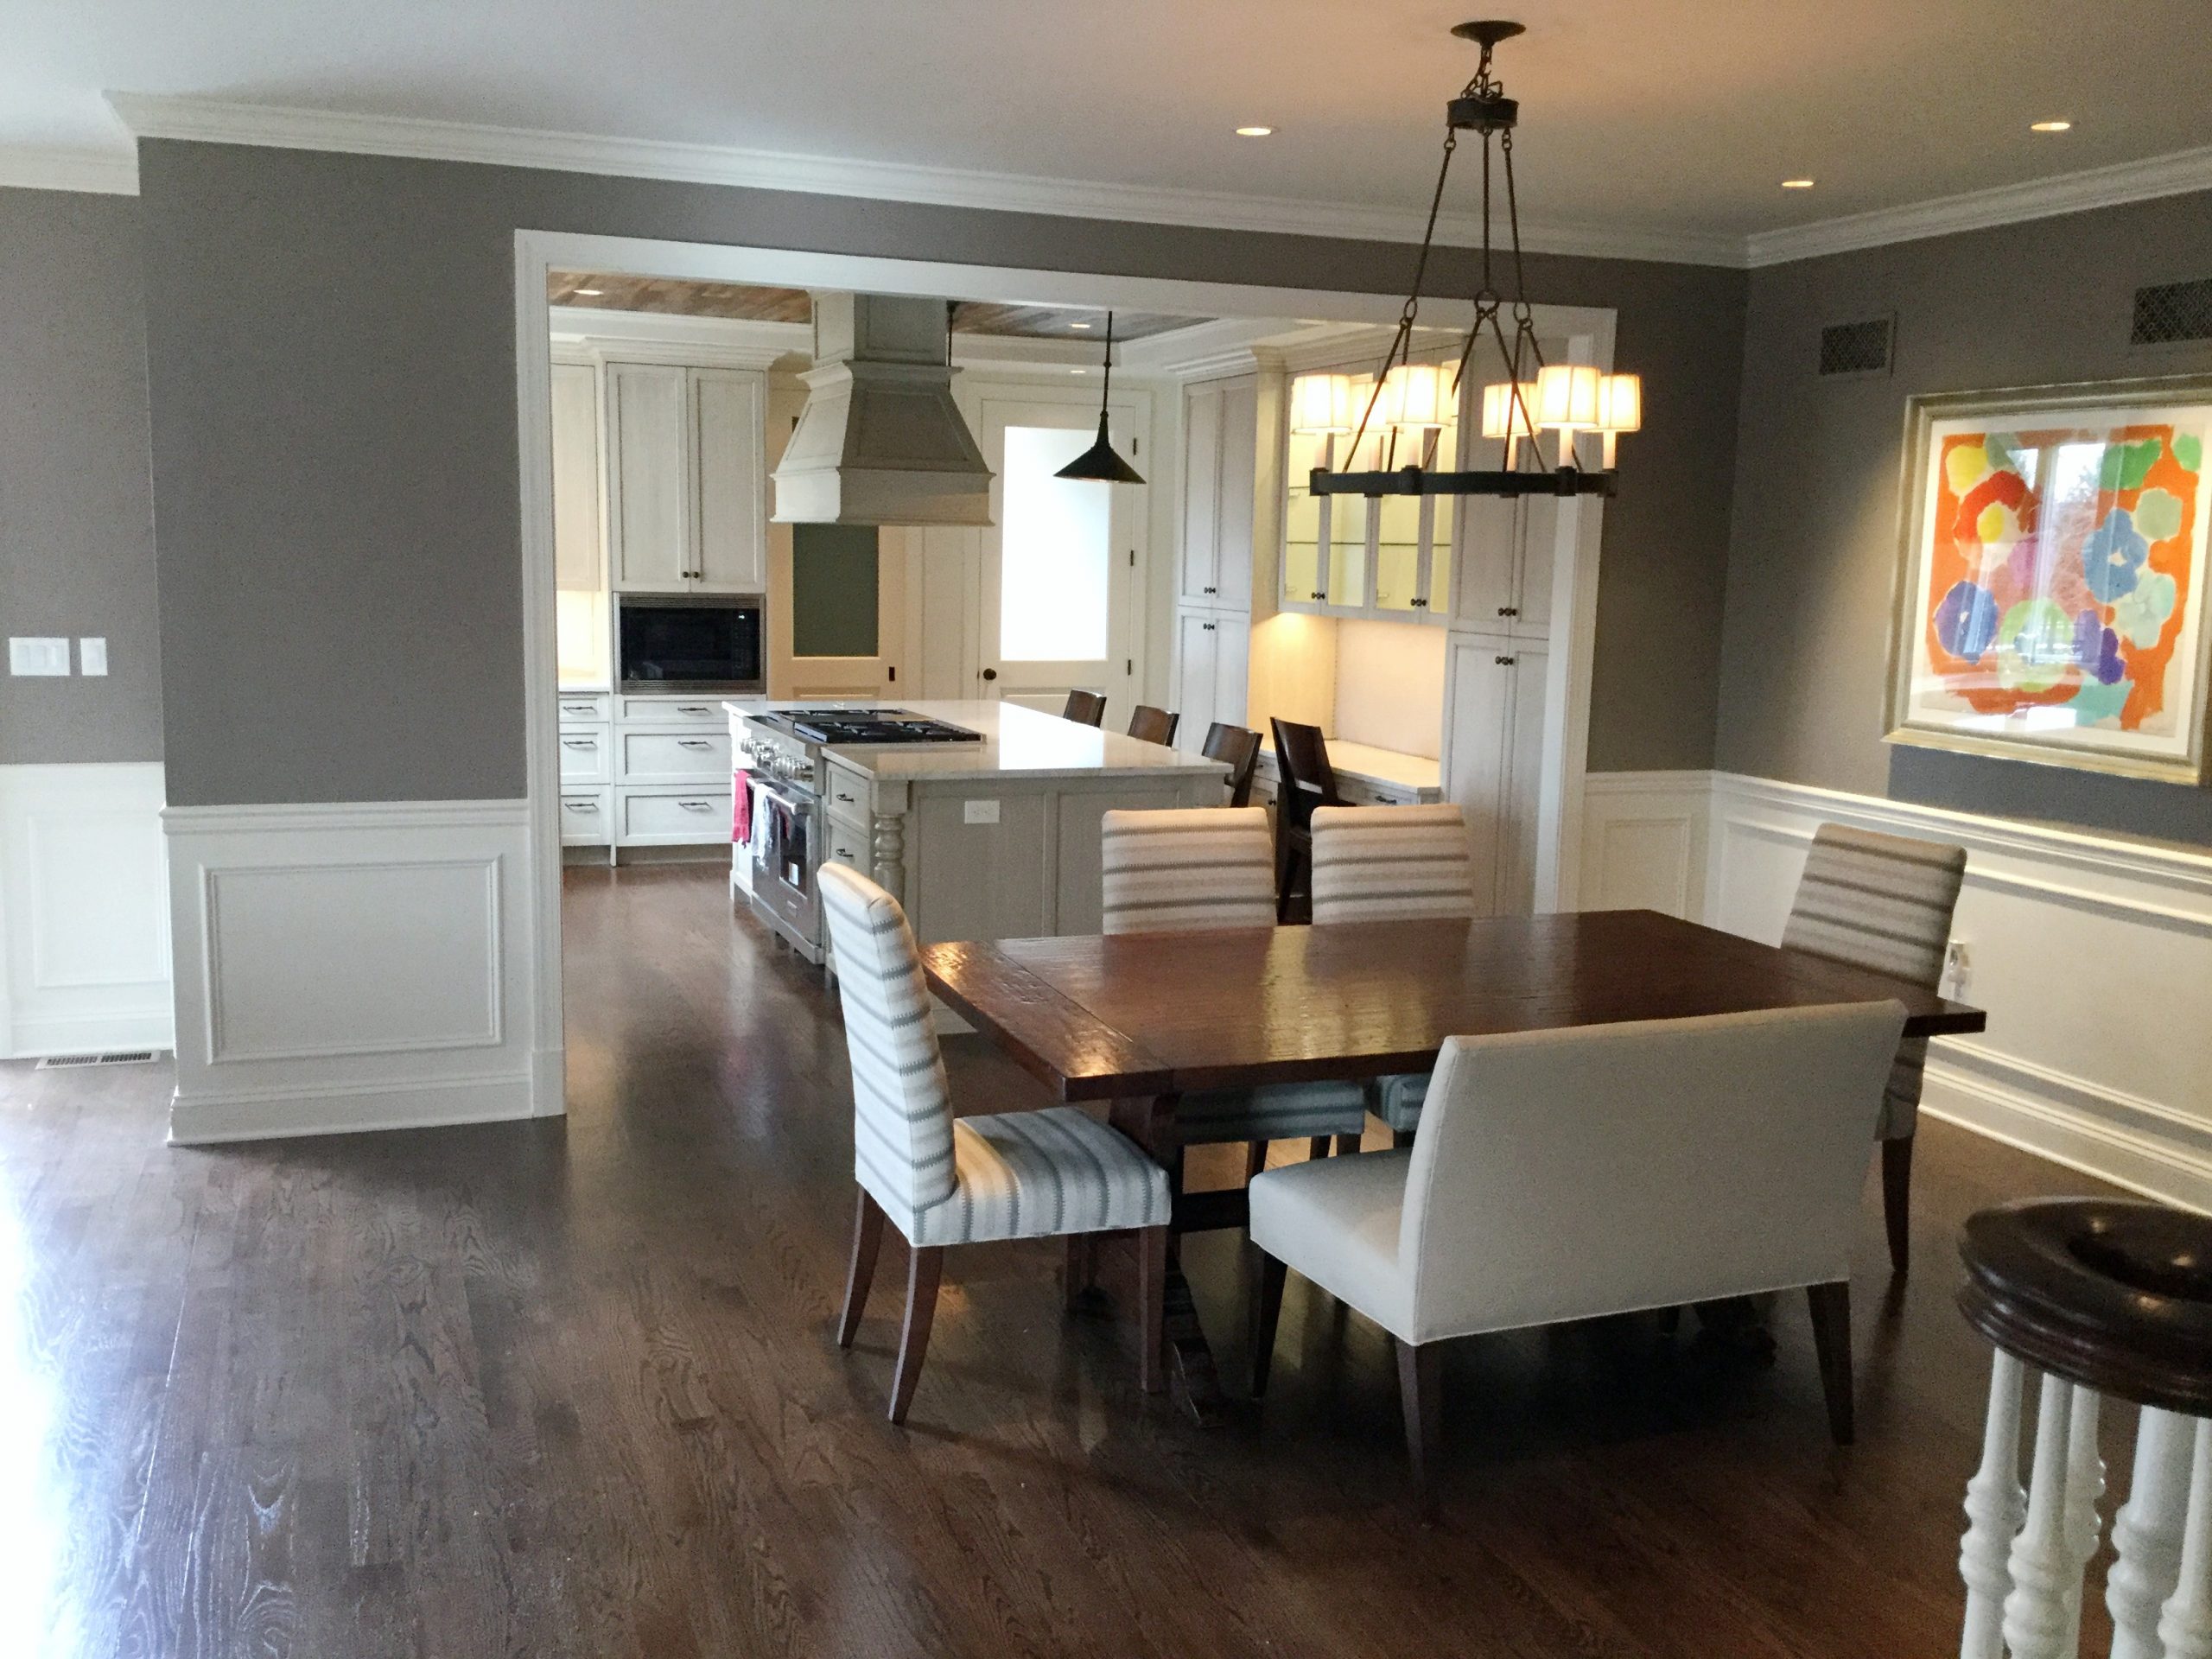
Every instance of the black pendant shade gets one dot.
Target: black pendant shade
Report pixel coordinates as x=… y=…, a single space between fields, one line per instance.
x=1099 y=463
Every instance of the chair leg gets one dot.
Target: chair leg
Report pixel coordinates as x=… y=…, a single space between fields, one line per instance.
x=1152 y=1306
x=1421 y=1386
x=1266 y=1312
x=1896 y=1200
x=867 y=1238
x=1347 y=1145
x=925 y=1267
x=1255 y=1158
x=1831 y=1307
x=1400 y=1139
x=1083 y=1266
x=1317 y=1147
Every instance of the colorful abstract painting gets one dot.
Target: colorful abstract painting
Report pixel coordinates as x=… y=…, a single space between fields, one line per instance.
x=2055 y=590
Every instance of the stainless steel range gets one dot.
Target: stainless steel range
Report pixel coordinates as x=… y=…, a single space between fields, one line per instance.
x=784 y=751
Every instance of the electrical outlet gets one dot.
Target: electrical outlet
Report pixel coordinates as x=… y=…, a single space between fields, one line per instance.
x=979 y=812
x=38 y=656
x=91 y=656
x=1958 y=967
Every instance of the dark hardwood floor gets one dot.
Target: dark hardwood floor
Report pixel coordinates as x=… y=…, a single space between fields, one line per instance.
x=568 y=1388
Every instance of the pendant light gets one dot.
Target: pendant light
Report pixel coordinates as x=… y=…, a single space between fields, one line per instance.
x=1099 y=462
x=1529 y=395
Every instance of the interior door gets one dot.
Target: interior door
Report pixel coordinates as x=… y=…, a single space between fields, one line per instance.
x=1062 y=561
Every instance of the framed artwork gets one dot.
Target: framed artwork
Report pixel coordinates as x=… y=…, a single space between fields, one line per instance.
x=2052 y=587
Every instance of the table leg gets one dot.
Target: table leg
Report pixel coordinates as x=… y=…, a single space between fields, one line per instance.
x=1150 y=1123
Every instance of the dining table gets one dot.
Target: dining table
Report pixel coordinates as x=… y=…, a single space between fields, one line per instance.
x=1139 y=1020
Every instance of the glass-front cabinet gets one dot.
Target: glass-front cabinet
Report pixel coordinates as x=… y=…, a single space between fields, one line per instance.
x=1346 y=555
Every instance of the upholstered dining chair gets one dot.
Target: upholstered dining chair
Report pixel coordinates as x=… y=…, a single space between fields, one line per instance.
x=1239 y=747
x=1304 y=781
x=943 y=1180
x=1571 y=1173
x=1884 y=902
x=1154 y=725
x=1389 y=864
x=1084 y=708
x=1176 y=869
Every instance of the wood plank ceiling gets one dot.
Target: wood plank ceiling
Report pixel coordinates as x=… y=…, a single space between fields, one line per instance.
x=670 y=297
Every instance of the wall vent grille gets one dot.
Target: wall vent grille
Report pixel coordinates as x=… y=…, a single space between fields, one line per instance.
x=1856 y=347
x=113 y=1057
x=2169 y=313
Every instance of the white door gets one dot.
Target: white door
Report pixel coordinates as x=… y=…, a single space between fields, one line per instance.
x=649 y=440
x=730 y=555
x=1197 y=675
x=1062 y=561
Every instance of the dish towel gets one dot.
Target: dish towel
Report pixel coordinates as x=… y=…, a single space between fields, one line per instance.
x=740 y=806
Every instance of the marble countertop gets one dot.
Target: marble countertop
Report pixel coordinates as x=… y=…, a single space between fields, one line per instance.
x=1017 y=742
x=1365 y=761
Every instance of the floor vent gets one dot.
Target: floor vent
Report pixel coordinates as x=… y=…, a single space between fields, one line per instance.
x=113 y=1057
x=2170 y=313
x=1856 y=347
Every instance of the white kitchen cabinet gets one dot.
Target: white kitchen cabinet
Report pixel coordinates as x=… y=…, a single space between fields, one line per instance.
x=579 y=551
x=1220 y=436
x=1506 y=560
x=730 y=552
x=1212 y=667
x=1493 y=761
x=687 y=478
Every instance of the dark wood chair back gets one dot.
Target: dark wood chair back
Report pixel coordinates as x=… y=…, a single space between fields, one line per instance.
x=1153 y=725
x=1084 y=708
x=1240 y=747
x=1303 y=773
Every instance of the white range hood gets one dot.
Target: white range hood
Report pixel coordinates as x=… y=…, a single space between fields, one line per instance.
x=881 y=441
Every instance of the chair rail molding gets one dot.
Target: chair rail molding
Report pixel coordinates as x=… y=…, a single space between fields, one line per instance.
x=360 y=965
x=2093 y=954
x=84 y=916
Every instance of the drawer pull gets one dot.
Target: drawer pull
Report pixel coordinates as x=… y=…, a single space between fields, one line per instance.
x=579 y=743
x=696 y=806
x=693 y=709
x=846 y=798
x=693 y=743
x=580 y=806
x=584 y=708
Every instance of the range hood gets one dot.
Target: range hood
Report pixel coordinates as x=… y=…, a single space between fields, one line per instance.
x=881 y=441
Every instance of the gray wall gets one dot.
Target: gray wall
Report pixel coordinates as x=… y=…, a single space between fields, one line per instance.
x=76 y=509
x=330 y=348
x=1813 y=551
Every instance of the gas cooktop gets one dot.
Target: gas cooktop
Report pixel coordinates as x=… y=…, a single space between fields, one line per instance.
x=874 y=726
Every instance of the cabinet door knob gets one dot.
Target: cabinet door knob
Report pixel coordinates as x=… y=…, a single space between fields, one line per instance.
x=1505 y=661
x=1509 y=610
x=991 y=673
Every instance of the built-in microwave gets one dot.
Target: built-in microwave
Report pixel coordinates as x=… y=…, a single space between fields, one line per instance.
x=690 y=642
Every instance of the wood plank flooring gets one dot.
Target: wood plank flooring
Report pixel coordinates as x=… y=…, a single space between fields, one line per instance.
x=567 y=1387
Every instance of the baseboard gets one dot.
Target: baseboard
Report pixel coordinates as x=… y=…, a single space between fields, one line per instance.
x=266 y=1115
x=2091 y=953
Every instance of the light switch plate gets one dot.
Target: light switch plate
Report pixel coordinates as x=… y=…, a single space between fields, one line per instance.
x=979 y=812
x=38 y=656
x=91 y=656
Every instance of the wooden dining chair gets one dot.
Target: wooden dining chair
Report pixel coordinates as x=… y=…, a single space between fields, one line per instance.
x=1393 y=864
x=1304 y=781
x=1240 y=747
x=1154 y=725
x=1178 y=869
x=1575 y=1173
x=1084 y=708
x=1882 y=902
x=944 y=1181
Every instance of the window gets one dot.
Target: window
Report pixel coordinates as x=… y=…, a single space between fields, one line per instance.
x=1054 y=553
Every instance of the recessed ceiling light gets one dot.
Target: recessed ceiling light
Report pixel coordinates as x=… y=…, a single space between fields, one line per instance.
x=1078 y=325
x=2051 y=127
x=1078 y=371
x=1255 y=132
x=589 y=293
x=1796 y=184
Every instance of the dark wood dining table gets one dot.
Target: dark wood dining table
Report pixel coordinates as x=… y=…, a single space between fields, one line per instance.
x=1139 y=1019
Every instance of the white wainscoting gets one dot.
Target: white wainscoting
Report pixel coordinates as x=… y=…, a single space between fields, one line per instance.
x=83 y=915
x=357 y=966
x=2093 y=954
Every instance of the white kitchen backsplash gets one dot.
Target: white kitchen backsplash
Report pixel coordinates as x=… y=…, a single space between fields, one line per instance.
x=1391 y=686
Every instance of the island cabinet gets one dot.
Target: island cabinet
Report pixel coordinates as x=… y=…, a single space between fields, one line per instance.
x=1001 y=840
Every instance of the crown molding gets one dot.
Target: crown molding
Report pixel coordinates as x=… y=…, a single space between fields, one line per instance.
x=97 y=172
x=735 y=342
x=1977 y=210
x=208 y=121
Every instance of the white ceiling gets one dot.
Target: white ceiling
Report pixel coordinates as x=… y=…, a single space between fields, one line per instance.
x=1675 y=117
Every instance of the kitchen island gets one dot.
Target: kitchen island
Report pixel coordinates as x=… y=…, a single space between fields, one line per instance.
x=990 y=839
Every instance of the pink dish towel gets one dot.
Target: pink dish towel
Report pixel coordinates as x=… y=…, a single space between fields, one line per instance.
x=740 y=806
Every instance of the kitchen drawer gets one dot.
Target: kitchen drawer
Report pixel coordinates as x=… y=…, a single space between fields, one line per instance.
x=672 y=817
x=848 y=795
x=585 y=706
x=587 y=755
x=675 y=757
x=673 y=711
x=587 y=817
x=849 y=847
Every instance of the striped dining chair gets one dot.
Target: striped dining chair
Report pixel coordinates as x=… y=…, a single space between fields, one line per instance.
x=1386 y=864
x=1882 y=902
x=1178 y=869
x=943 y=1180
